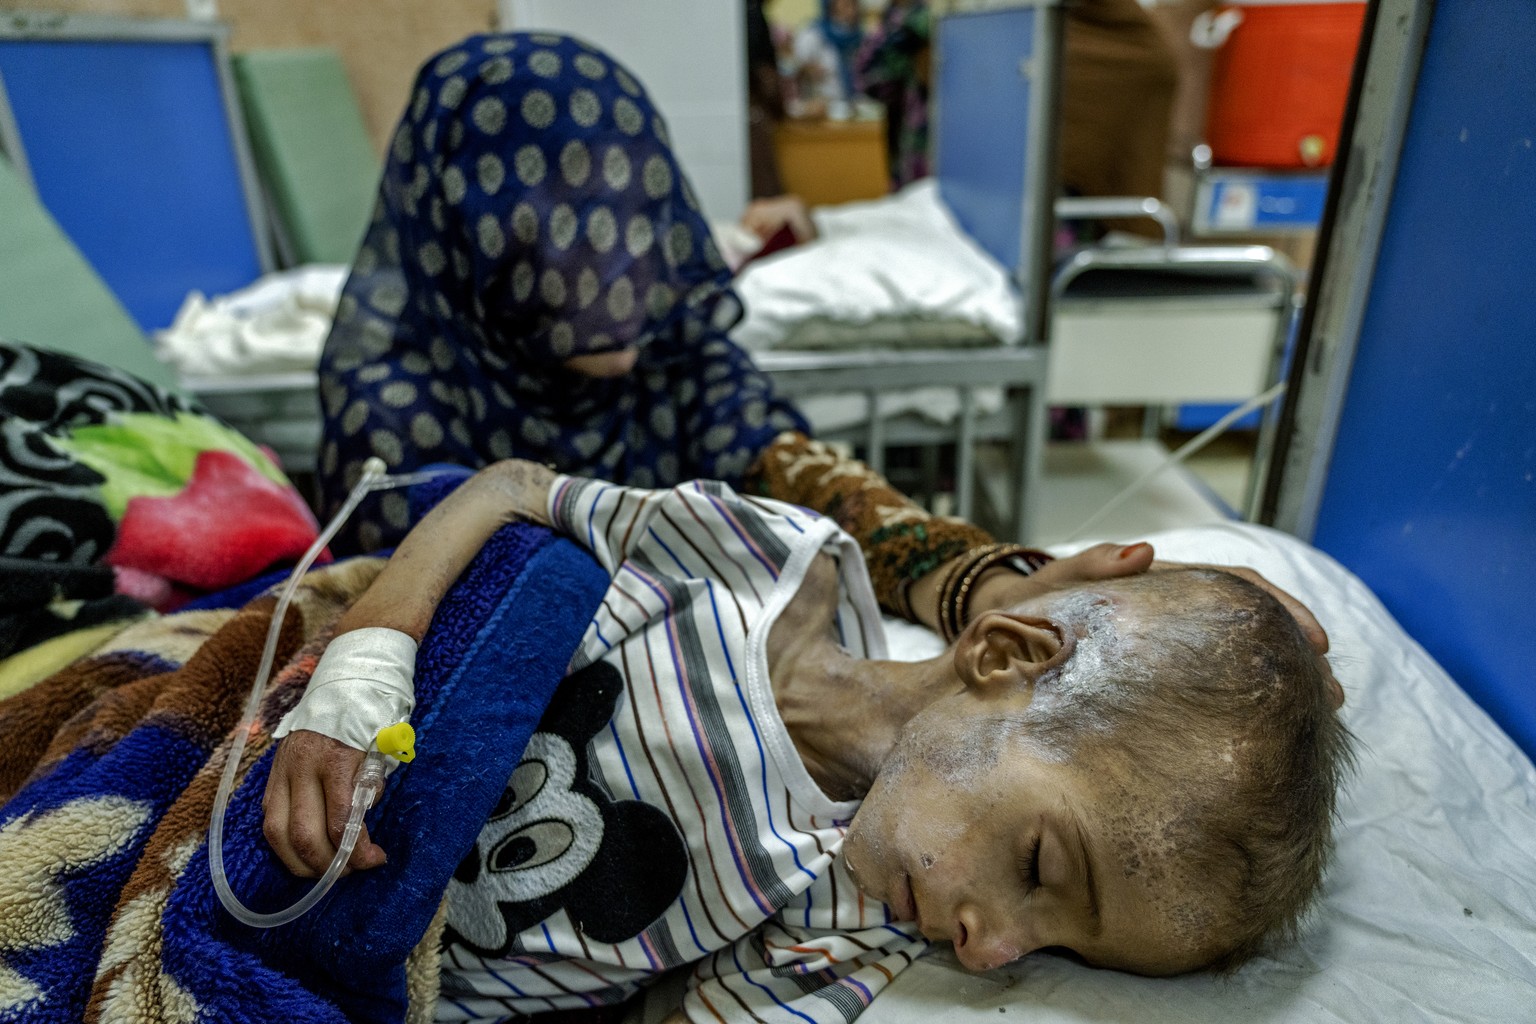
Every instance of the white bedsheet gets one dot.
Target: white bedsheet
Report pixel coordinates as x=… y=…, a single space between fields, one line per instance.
x=1430 y=908
x=831 y=413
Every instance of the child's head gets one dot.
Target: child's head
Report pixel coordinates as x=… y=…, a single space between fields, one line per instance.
x=1140 y=770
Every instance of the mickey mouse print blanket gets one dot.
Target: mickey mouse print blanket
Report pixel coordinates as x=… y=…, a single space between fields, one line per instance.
x=108 y=774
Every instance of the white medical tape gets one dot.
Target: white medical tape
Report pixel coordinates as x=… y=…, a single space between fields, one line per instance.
x=363 y=682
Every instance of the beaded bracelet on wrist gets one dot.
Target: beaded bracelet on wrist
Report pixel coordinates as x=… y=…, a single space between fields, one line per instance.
x=960 y=582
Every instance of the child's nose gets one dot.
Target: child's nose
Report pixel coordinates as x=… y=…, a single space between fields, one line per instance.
x=979 y=947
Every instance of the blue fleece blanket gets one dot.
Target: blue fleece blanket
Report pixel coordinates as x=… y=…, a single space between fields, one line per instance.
x=108 y=773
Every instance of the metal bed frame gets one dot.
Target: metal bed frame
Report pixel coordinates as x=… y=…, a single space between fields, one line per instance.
x=1021 y=425
x=1251 y=261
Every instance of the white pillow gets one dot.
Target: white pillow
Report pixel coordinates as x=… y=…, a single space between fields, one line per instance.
x=901 y=256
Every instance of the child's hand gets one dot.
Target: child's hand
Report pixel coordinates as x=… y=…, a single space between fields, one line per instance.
x=308 y=798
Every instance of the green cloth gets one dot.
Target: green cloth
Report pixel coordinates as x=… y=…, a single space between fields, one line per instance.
x=313 y=153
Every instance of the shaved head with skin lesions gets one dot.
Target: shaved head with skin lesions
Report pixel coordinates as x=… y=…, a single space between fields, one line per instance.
x=1141 y=771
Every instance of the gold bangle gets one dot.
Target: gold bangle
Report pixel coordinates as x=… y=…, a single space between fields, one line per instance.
x=951 y=593
x=946 y=630
x=959 y=584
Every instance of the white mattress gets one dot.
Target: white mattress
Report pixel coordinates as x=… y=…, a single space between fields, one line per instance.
x=1430 y=908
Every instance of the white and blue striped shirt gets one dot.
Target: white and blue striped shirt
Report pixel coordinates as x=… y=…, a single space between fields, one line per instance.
x=768 y=916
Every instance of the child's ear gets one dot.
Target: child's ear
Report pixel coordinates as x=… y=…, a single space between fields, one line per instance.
x=1004 y=650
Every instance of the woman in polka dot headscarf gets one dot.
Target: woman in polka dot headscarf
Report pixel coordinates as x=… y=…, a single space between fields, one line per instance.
x=538 y=281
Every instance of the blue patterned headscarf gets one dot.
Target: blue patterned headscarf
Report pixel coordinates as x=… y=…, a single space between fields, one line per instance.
x=531 y=210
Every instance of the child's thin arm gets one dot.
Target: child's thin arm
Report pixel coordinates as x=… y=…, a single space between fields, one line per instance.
x=309 y=790
x=407 y=592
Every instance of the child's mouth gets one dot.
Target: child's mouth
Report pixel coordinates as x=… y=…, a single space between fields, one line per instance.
x=903 y=901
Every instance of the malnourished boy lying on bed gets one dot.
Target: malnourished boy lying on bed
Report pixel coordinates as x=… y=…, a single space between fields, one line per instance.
x=1140 y=770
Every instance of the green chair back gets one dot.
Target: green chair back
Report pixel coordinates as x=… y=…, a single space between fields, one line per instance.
x=318 y=167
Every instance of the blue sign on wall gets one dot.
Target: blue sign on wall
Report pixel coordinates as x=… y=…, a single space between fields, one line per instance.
x=1245 y=201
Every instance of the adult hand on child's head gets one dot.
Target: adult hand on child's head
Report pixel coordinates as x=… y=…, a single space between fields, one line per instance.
x=1003 y=588
x=1110 y=561
x=308 y=798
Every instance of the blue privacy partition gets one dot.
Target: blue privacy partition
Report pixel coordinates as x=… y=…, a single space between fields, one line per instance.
x=1422 y=478
x=128 y=135
x=994 y=133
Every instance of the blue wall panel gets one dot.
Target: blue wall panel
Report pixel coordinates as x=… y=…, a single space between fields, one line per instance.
x=983 y=122
x=130 y=148
x=1431 y=496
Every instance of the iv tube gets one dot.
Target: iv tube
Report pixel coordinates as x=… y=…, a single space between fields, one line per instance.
x=1189 y=448
x=369 y=781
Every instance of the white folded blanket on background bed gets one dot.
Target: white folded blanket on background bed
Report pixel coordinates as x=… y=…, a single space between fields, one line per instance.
x=899 y=257
x=276 y=325
x=1429 y=909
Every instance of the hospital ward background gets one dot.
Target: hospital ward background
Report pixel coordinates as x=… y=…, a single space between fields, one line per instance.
x=1250 y=279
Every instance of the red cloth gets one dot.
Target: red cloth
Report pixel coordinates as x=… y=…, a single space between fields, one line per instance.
x=225 y=527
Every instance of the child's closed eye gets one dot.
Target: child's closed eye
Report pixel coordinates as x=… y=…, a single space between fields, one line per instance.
x=1029 y=866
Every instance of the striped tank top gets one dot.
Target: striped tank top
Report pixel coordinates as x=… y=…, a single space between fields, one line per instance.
x=661 y=816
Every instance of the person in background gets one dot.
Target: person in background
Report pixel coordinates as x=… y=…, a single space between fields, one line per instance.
x=821 y=61
x=1119 y=76
x=538 y=282
x=765 y=101
x=1118 y=83
x=892 y=69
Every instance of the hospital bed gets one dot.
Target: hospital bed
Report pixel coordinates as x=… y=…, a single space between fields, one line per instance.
x=895 y=314
x=926 y=395
x=1429 y=912
x=994 y=395
x=1430 y=909
x=949 y=385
